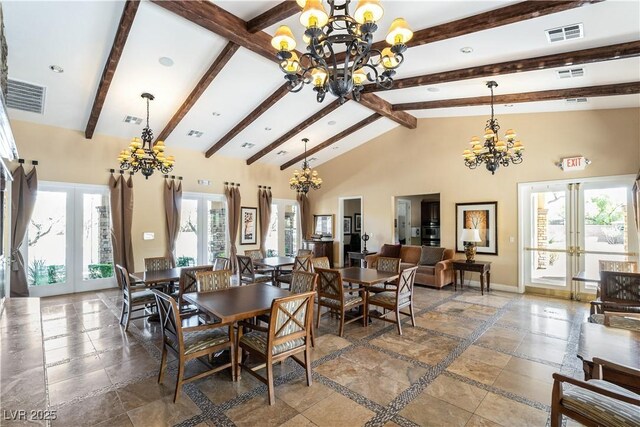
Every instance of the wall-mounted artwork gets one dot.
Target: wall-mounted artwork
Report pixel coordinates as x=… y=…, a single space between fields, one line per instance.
x=483 y=217
x=248 y=231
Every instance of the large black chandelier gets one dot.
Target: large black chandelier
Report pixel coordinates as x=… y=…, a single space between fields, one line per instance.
x=304 y=180
x=321 y=65
x=494 y=151
x=143 y=155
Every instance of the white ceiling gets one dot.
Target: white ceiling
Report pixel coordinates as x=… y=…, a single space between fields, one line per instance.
x=78 y=36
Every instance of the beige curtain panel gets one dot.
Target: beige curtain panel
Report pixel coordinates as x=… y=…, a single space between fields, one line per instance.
x=172 y=209
x=121 y=198
x=23 y=199
x=636 y=203
x=232 y=194
x=305 y=214
x=264 y=205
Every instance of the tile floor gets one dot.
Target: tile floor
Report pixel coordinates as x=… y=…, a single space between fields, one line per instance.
x=471 y=360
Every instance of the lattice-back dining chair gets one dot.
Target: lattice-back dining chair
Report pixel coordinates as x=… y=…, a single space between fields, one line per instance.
x=287 y=334
x=303 y=252
x=320 y=262
x=397 y=299
x=134 y=298
x=619 y=292
x=158 y=263
x=213 y=280
x=386 y=265
x=221 y=263
x=187 y=281
x=247 y=274
x=331 y=294
x=624 y=266
x=300 y=263
x=191 y=343
x=256 y=255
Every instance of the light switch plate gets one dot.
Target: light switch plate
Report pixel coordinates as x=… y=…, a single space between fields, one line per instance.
x=148 y=235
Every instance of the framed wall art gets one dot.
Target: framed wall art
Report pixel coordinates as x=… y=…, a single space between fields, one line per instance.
x=483 y=217
x=346 y=225
x=248 y=232
x=357 y=219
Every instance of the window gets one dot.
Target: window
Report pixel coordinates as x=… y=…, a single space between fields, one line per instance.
x=283 y=237
x=68 y=244
x=203 y=229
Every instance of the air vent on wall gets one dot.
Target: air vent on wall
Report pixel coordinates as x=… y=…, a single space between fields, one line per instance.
x=132 y=119
x=571 y=73
x=568 y=32
x=25 y=96
x=576 y=100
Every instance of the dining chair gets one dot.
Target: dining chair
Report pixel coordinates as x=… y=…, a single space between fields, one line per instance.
x=221 y=263
x=395 y=300
x=300 y=263
x=303 y=252
x=187 y=282
x=386 y=265
x=287 y=334
x=619 y=292
x=158 y=263
x=208 y=281
x=625 y=266
x=191 y=343
x=596 y=402
x=134 y=298
x=331 y=294
x=320 y=262
x=630 y=321
x=256 y=255
x=247 y=273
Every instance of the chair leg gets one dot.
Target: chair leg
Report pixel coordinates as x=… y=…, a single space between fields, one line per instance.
x=122 y=312
x=398 y=321
x=307 y=364
x=232 y=353
x=176 y=396
x=318 y=316
x=313 y=337
x=126 y=322
x=163 y=364
x=413 y=318
x=556 y=417
x=341 y=331
x=272 y=393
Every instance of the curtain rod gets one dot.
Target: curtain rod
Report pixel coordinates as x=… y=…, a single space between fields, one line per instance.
x=265 y=187
x=232 y=183
x=120 y=170
x=33 y=162
x=173 y=177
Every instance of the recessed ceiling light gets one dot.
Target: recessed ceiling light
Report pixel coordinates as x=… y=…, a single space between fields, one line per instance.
x=216 y=114
x=335 y=148
x=466 y=49
x=56 y=69
x=433 y=89
x=267 y=128
x=331 y=122
x=166 y=61
x=247 y=145
x=281 y=153
x=508 y=105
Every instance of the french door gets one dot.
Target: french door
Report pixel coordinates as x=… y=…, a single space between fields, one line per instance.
x=568 y=226
x=68 y=245
x=283 y=237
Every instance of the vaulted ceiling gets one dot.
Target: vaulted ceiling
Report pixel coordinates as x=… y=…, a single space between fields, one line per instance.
x=223 y=80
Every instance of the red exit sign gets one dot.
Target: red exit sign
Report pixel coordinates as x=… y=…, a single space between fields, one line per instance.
x=574 y=163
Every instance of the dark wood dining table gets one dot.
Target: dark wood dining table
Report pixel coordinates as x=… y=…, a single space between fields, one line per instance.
x=238 y=302
x=275 y=262
x=150 y=278
x=366 y=276
x=583 y=276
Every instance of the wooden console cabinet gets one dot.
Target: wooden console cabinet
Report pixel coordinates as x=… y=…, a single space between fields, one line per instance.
x=320 y=248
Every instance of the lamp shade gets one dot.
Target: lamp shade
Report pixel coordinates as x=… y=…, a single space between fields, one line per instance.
x=470 y=235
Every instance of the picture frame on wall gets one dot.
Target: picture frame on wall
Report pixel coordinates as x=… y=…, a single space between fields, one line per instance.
x=482 y=216
x=357 y=222
x=346 y=225
x=249 y=224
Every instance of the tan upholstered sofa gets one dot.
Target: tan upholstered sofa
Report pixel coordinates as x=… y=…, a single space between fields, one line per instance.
x=439 y=275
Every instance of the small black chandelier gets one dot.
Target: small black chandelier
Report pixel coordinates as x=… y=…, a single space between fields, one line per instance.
x=144 y=156
x=494 y=151
x=324 y=33
x=304 y=180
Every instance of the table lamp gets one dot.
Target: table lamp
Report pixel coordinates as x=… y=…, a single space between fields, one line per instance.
x=470 y=236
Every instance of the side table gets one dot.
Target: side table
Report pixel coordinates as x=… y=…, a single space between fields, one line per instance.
x=482 y=267
x=359 y=256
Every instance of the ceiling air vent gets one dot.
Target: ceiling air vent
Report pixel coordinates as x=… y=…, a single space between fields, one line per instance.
x=247 y=145
x=25 y=96
x=576 y=100
x=571 y=73
x=195 y=133
x=132 y=119
x=568 y=32
x=312 y=159
x=281 y=153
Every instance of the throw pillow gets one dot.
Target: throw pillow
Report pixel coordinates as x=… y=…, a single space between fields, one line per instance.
x=431 y=255
x=391 y=251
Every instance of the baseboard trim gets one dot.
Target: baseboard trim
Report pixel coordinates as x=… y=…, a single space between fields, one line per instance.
x=494 y=286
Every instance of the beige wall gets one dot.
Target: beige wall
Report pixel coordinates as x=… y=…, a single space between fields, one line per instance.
x=428 y=160
x=66 y=156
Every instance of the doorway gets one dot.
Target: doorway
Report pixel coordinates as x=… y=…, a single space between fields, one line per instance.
x=417 y=219
x=350 y=227
x=568 y=226
x=403 y=221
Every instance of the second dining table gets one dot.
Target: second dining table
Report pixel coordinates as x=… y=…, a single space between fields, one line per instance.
x=366 y=276
x=275 y=262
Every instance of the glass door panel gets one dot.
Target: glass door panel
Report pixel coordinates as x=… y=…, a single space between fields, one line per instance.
x=290 y=230
x=216 y=226
x=272 y=243
x=95 y=240
x=187 y=241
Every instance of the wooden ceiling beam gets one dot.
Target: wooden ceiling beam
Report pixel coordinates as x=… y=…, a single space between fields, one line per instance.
x=272 y=16
x=227 y=53
x=515 y=98
x=487 y=20
x=244 y=123
x=126 y=22
x=372 y=118
x=384 y=108
x=575 y=58
x=293 y=132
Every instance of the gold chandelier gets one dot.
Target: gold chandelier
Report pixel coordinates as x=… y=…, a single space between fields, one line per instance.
x=144 y=156
x=325 y=35
x=494 y=151
x=304 y=180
